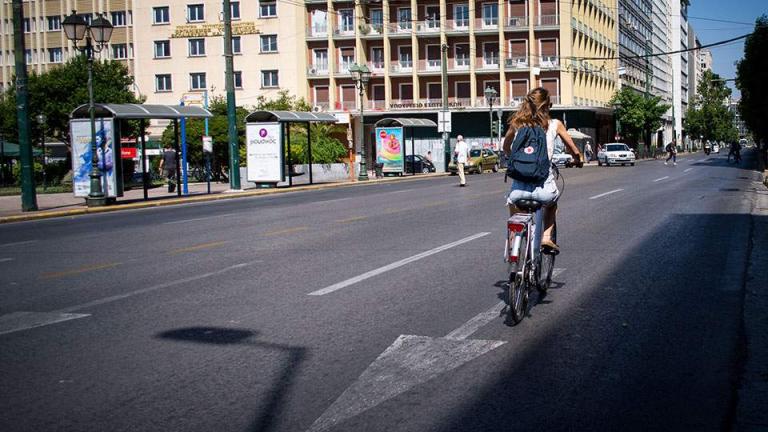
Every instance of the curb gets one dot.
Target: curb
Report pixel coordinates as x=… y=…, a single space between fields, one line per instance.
x=205 y=198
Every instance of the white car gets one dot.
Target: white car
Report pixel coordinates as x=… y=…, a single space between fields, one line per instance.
x=562 y=159
x=615 y=154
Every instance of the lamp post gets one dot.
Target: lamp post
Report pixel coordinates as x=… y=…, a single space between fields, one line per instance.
x=41 y=122
x=99 y=31
x=490 y=95
x=361 y=74
x=616 y=107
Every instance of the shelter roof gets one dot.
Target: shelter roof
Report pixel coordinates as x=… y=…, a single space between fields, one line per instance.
x=290 y=117
x=406 y=122
x=141 y=111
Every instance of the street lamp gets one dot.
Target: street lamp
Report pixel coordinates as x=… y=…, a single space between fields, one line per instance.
x=99 y=31
x=361 y=74
x=616 y=106
x=490 y=95
x=41 y=122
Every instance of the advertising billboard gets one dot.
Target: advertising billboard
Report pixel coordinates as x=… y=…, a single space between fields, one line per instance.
x=390 y=149
x=264 y=152
x=80 y=134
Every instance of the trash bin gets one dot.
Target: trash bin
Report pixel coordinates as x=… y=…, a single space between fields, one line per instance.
x=379 y=167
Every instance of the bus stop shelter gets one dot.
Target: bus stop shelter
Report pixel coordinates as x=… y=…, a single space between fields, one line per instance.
x=142 y=113
x=284 y=119
x=407 y=123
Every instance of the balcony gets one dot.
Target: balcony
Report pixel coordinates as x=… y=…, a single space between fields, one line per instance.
x=514 y=63
x=549 y=62
x=460 y=64
x=516 y=101
x=548 y=21
x=461 y=26
x=459 y=101
x=486 y=24
x=428 y=26
x=317 y=70
x=320 y=32
x=555 y=99
x=343 y=67
x=401 y=67
x=400 y=29
x=517 y=23
x=376 y=105
x=346 y=105
x=344 y=31
x=372 y=31
x=398 y=104
x=430 y=65
x=487 y=62
x=376 y=66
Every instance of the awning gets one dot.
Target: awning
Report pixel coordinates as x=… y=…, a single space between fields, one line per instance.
x=578 y=135
x=11 y=150
x=290 y=117
x=405 y=122
x=140 y=111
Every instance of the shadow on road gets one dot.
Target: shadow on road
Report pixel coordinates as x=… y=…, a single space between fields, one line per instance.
x=273 y=408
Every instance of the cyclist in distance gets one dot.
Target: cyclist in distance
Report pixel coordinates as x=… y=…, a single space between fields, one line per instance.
x=534 y=112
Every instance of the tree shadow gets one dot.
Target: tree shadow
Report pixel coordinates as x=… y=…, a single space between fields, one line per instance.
x=266 y=420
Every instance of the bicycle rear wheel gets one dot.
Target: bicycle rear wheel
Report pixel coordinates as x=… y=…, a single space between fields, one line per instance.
x=547 y=267
x=517 y=294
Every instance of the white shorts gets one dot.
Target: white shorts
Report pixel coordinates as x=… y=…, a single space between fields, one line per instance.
x=546 y=193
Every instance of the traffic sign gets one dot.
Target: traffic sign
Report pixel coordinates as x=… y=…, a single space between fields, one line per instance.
x=208 y=144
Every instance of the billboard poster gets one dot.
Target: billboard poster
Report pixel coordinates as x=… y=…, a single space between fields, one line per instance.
x=390 y=148
x=81 y=156
x=264 y=152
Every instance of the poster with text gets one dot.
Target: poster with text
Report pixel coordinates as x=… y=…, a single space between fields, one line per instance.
x=389 y=148
x=82 y=156
x=264 y=152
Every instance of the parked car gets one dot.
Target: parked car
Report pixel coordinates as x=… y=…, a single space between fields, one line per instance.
x=615 y=153
x=479 y=161
x=418 y=163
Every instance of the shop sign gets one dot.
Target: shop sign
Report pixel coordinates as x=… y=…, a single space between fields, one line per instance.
x=212 y=30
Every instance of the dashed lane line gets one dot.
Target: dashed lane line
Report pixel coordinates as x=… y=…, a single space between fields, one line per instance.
x=606 y=194
x=286 y=231
x=84 y=269
x=660 y=179
x=197 y=247
x=18 y=243
x=5 y=259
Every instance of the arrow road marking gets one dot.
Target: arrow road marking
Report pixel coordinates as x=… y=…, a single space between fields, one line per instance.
x=410 y=361
x=604 y=194
x=394 y=265
x=660 y=179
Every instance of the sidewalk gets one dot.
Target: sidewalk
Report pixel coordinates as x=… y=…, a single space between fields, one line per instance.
x=66 y=204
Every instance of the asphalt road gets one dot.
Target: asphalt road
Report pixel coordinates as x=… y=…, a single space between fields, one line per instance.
x=377 y=308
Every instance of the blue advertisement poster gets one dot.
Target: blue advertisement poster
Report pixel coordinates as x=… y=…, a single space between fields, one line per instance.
x=390 y=148
x=81 y=156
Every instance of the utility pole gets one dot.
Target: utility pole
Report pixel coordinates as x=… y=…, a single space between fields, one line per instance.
x=28 y=196
x=444 y=73
x=229 y=83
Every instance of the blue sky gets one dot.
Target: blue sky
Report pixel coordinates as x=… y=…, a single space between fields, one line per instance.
x=741 y=11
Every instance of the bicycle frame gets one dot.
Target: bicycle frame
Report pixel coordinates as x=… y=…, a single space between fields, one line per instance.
x=521 y=224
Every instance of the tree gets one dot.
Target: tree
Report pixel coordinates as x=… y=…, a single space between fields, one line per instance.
x=638 y=116
x=57 y=92
x=708 y=117
x=750 y=79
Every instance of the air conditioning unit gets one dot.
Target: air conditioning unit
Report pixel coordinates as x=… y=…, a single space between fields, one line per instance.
x=317 y=108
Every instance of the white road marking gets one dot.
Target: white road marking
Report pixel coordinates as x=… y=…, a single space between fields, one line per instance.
x=687 y=169
x=18 y=243
x=153 y=288
x=197 y=219
x=394 y=265
x=18 y=321
x=660 y=179
x=483 y=318
x=6 y=259
x=607 y=193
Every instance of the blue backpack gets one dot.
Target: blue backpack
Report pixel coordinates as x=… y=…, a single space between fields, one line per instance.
x=529 y=159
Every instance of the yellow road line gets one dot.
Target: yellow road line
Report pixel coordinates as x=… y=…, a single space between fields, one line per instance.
x=352 y=219
x=197 y=247
x=286 y=231
x=78 y=270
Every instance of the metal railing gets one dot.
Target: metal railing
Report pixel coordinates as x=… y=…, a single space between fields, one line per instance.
x=548 y=20
x=430 y=65
x=317 y=31
x=517 y=22
x=457 y=25
x=550 y=62
x=376 y=105
x=401 y=66
x=487 y=62
x=428 y=26
x=486 y=23
x=516 y=63
x=376 y=66
x=318 y=69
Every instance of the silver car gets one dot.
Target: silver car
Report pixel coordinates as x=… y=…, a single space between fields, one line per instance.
x=615 y=154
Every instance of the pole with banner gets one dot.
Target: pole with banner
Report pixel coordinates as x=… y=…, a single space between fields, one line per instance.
x=184 y=188
x=207 y=150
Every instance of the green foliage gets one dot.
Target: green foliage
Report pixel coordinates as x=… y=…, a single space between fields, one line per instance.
x=638 y=115
x=751 y=81
x=57 y=92
x=708 y=117
x=326 y=148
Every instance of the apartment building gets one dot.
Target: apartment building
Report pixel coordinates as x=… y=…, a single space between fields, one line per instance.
x=44 y=40
x=679 y=39
x=661 y=37
x=511 y=46
x=635 y=32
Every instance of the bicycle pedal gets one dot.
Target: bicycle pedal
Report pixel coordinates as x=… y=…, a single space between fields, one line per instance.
x=549 y=251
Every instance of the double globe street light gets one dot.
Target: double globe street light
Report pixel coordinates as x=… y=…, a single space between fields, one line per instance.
x=361 y=75
x=99 y=31
x=490 y=96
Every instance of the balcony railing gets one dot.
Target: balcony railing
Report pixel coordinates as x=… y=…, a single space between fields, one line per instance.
x=376 y=105
x=516 y=63
x=515 y=101
x=376 y=66
x=430 y=65
x=555 y=99
x=549 y=62
x=517 y=22
x=548 y=20
x=460 y=63
x=488 y=62
x=402 y=66
x=347 y=105
x=404 y=27
x=317 y=31
x=428 y=26
x=458 y=101
x=486 y=23
x=376 y=29
x=343 y=67
x=457 y=25
x=344 y=30
x=318 y=70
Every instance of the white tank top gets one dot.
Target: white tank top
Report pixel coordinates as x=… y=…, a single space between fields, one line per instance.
x=552 y=137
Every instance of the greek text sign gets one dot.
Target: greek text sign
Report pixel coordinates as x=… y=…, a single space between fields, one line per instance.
x=264 y=152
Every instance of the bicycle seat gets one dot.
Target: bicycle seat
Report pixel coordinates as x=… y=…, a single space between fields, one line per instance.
x=528 y=205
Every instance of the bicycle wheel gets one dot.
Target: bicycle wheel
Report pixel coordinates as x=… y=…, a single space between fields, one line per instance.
x=547 y=266
x=518 y=286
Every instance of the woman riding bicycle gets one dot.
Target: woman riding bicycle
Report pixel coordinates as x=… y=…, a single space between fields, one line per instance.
x=534 y=112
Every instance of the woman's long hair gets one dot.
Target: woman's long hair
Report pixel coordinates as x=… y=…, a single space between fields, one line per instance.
x=534 y=110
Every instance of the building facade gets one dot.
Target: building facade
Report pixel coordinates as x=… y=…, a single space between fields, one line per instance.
x=635 y=34
x=662 y=65
x=679 y=42
x=44 y=40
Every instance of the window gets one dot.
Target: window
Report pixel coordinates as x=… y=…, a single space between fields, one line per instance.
x=195 y=13
x=269 y=43
x=28 y=56
x=405 y=55
x=87 y=17
x=54 y=23
x=118 y=18
x=161 y=15
x=119 y=51
x=320 y=61
x=461 y=15
x=377 y=57
x=163 y=83
x=432 y=14
x=377 y=20
x=404 y=18
x=29 y=25
x=346 y=21
x=347 y=56
x=162 y=49
x=461 y=56
x=234 y=8
x=269 y=79
x=55 y=55
x=267 y=9
x=238 y=78
x=490 y=14
x=197 y=81
x=236 y=47
x=196 y=47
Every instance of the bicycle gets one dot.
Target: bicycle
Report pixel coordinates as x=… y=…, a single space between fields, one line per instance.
x=529 y=265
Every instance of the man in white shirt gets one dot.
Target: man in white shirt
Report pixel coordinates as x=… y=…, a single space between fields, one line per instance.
x=462 y=153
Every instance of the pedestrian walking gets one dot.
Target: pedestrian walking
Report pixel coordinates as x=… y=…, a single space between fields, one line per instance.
x=168 y=167
x=672 y=150
x=588 y=152
x=462 y=152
